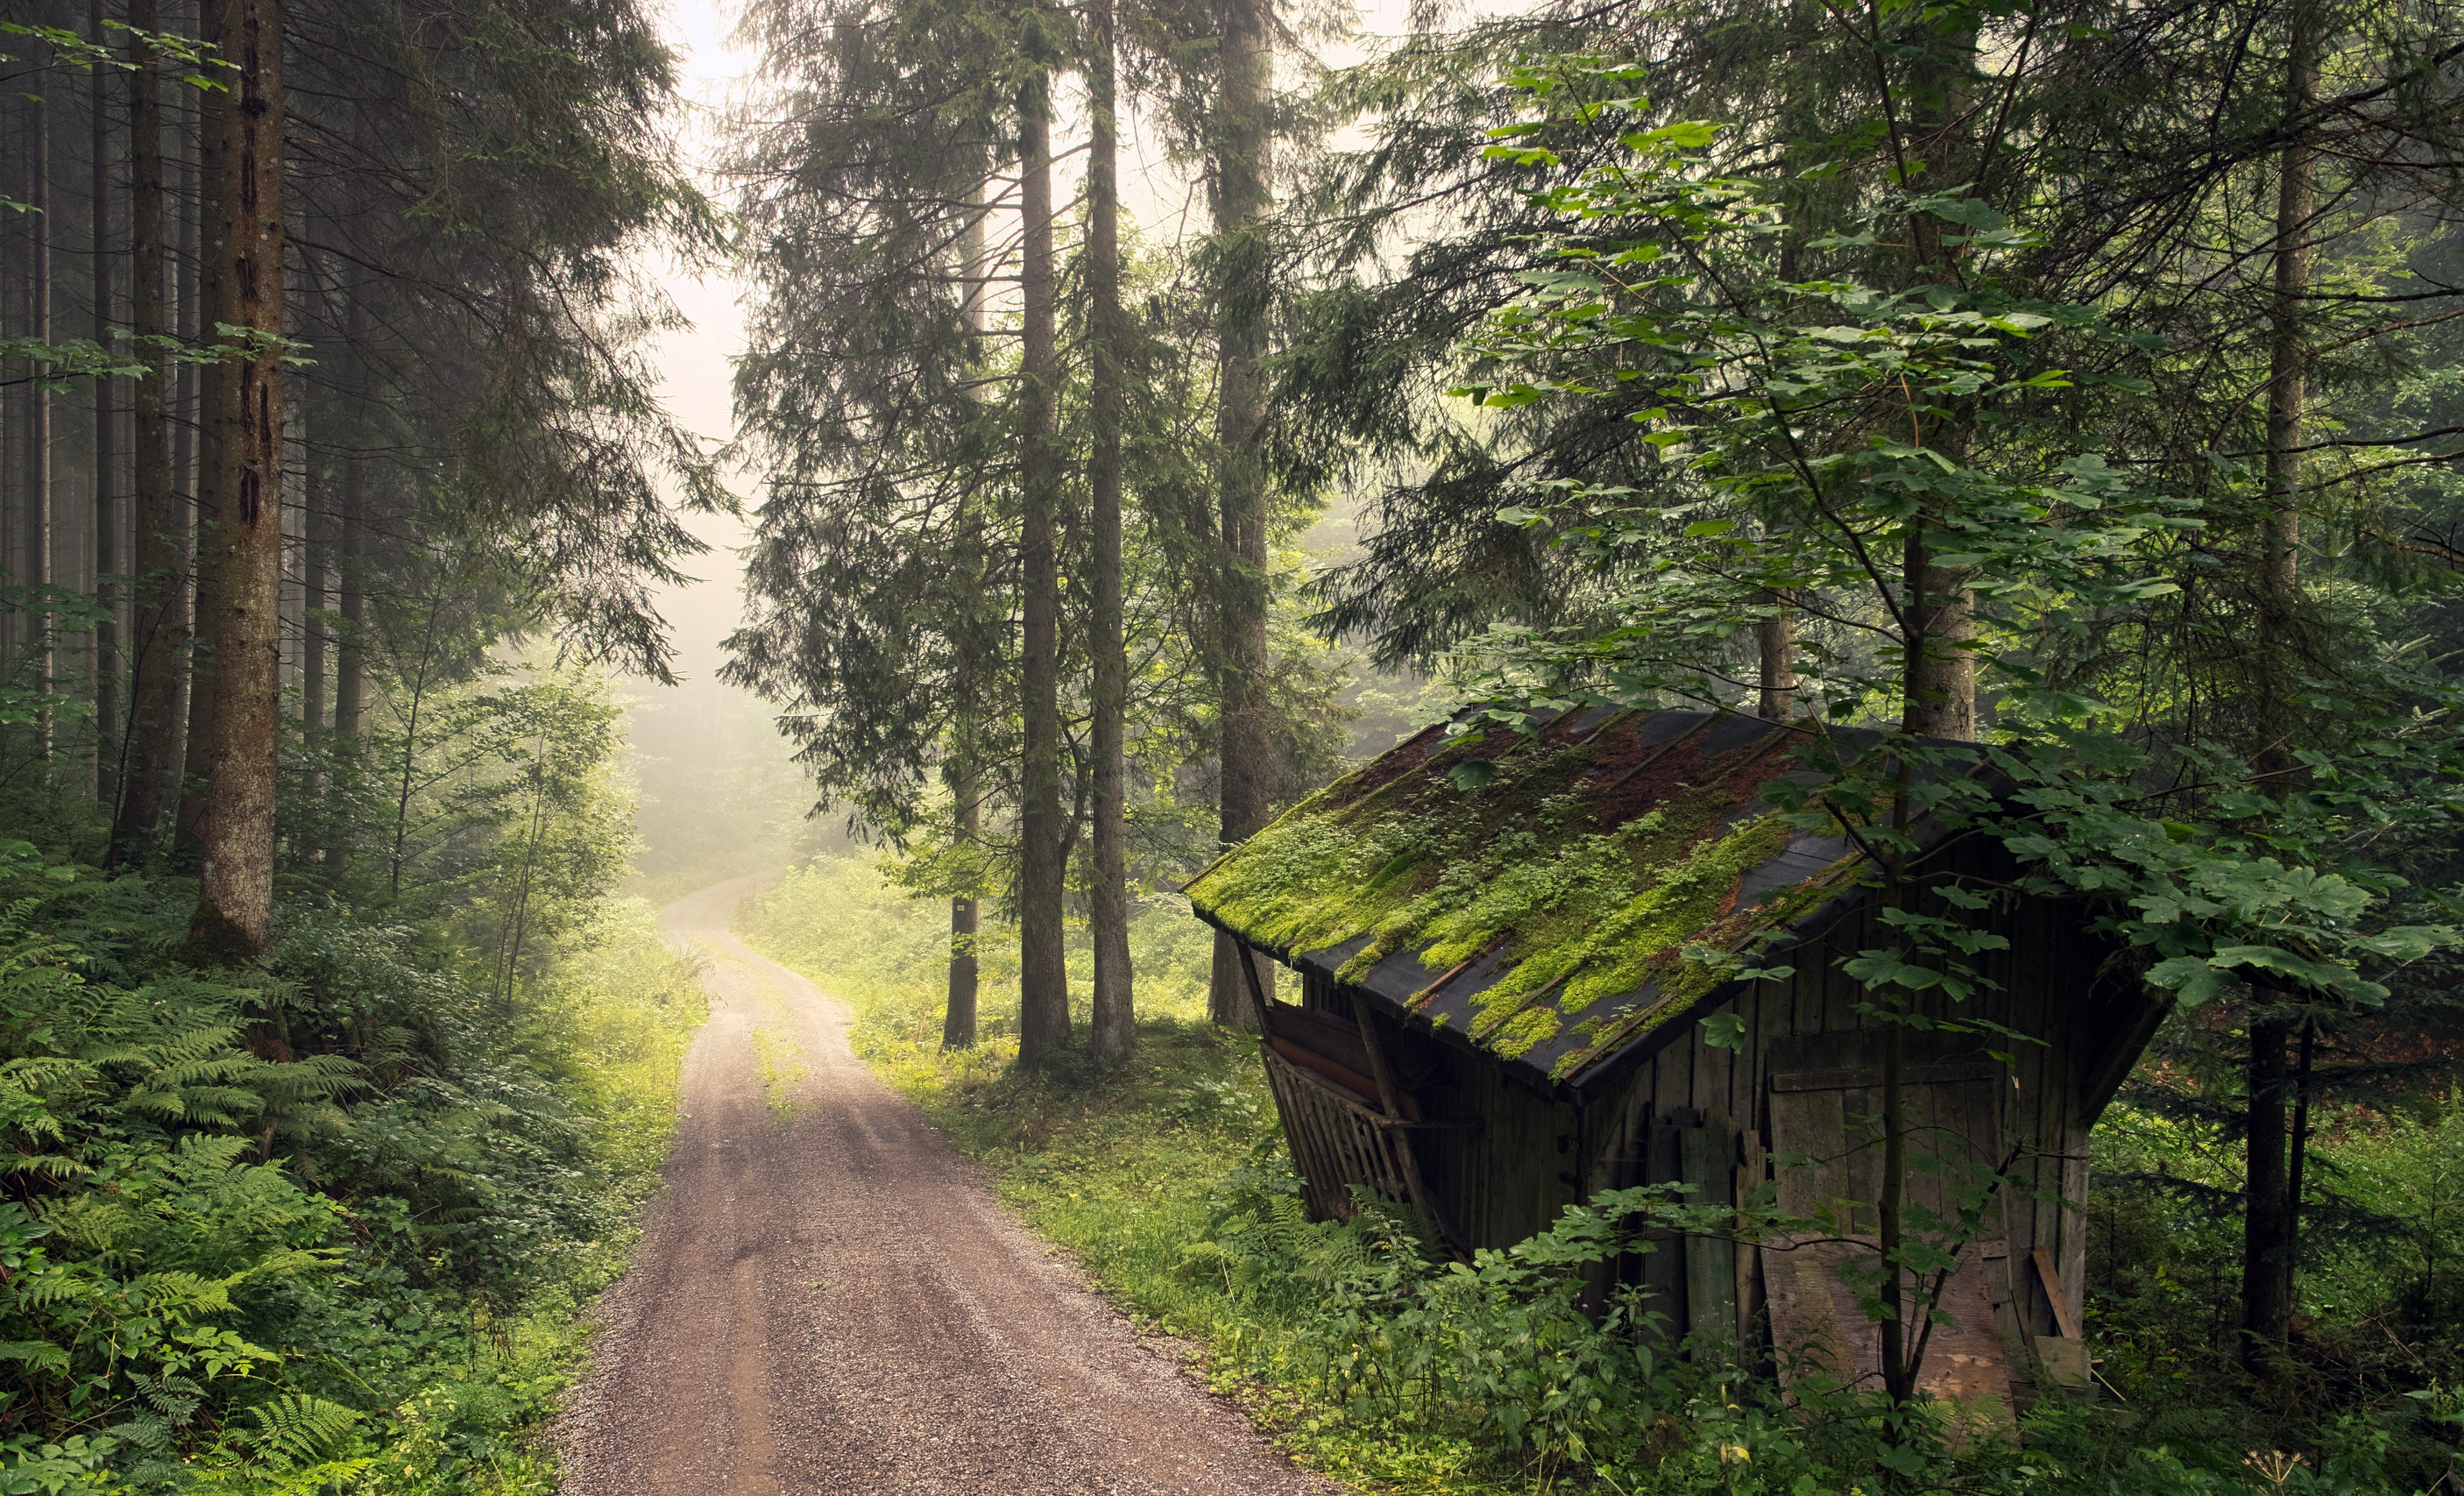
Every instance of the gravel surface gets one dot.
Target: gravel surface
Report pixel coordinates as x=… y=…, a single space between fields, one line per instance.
x=827 y=1299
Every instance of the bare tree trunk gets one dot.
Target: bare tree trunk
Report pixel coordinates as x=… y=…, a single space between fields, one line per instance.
x=2296 y=1167
x=1114 y=1010
x=1899 y=1368
x=1775 y=645
x=2288 y=384
x=960 y=771
x=2268 y=1218
x=188 y=282
x=1044 y=973
x=154 y=635
x=959 y=1019
x=36 y=528
x=205 y=234
x=1245 y=144
x=17 y=400
x=1939 y=673
x=350 y=653
x=235 y=889
x=315 y=581
x=106 y=458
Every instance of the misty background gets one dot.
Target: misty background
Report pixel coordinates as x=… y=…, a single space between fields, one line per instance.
x=719 y=794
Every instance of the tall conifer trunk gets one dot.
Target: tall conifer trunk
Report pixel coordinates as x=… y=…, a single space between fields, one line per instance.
x=1937 y=680
x=204 y=232
x=244 y=494
x=35 y=527
x=350 y=649
x=960 y=771
x=314 y=580
x=106 y=455
x=188 y=272
x=2268 y=1216
x=1044 y=975
x=1244 y=144
x=1115 y=1014
x=1775 y=649
x=154 y=633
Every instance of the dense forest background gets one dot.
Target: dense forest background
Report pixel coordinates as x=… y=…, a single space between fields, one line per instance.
x=2062 y=391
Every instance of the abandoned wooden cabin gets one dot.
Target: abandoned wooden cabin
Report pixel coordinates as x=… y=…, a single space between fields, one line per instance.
x=1499 y=946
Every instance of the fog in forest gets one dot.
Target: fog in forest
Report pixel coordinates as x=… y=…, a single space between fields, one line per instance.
x=719 y=794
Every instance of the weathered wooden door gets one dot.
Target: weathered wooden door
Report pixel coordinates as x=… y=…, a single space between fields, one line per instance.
x=1827 y=1153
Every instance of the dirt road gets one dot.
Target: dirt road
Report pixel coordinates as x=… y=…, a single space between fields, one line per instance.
x=829 y=1301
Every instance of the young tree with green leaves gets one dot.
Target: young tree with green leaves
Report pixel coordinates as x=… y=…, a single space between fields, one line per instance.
x=1795 y=436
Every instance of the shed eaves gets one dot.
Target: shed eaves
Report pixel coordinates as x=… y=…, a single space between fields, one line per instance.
x=1542 y=916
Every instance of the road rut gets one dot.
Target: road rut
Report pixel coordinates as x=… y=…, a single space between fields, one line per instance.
x=827 y=1300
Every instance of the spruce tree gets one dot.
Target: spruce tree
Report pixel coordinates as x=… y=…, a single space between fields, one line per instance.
x=1241 y=138
x=1112 y=1018
x=1043 y=853
x=241 y=498
x=156 y=662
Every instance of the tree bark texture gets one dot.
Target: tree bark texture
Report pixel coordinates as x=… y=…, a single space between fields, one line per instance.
x=1775 y=649
x=350 y=648
x=1243 y=145
x=2297 y=195
x=958 y=1016
x=1939 y=673
x=209 y=229
x=1044 y=975
x=106 y=456
x=150 y=741
x=35 y=527
x=959 y=770
x=2267 y=1219
x=1899 y=1368
x=1113 y=1014
x=2268 y=1209
x=316 y=580
x=1938 y=685
x=2295 y=1165
x=189 y=274
x=244 y=497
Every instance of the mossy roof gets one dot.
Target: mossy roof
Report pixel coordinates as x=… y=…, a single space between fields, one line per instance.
x=1544 y=917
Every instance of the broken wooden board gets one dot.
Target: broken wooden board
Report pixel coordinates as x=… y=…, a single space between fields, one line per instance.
x=1816 y=1323
x=1828 y=1163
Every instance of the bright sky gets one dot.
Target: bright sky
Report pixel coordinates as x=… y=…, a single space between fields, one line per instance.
x=693 y=366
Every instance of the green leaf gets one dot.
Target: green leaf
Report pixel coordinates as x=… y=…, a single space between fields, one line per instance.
x=1725 y=1031
x=2188 y=978
x=1472 y=776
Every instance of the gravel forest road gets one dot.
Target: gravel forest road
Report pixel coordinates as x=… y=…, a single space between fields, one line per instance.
x=828 y=1300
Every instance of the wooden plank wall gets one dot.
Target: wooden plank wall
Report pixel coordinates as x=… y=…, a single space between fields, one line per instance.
x=1534 y=1156
x=2043 y=988
x=1514 y=1176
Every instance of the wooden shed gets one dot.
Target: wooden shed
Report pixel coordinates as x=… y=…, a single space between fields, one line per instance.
x=1501 y=945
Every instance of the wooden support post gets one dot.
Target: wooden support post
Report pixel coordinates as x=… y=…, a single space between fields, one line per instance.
x=1388 y=1098
x=2065 y=1355
x=1707 y=1159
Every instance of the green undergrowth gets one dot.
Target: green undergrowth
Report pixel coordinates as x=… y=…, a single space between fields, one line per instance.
x=330 y=1226
x=1381 y=1364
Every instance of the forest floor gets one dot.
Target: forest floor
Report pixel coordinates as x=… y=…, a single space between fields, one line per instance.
x=828 y=1299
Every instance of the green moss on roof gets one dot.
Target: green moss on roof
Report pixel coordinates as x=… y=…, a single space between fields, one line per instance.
x=1578 y=881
